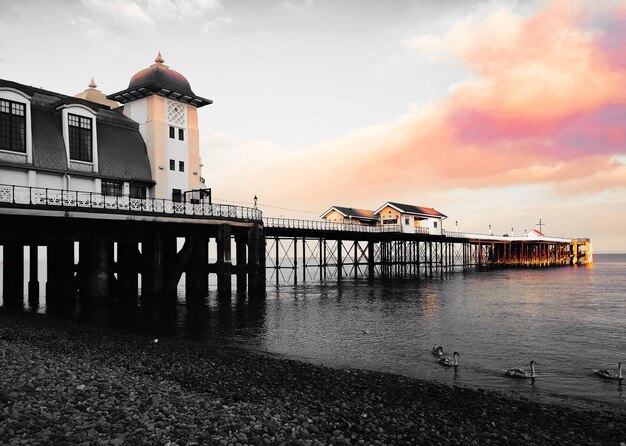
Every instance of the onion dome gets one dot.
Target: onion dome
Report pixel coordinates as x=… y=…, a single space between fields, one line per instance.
x=163 y=76
x=159 y=79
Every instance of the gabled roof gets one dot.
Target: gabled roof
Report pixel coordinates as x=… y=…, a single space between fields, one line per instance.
x=412 y=210
x=347 y=212
x=535 y=233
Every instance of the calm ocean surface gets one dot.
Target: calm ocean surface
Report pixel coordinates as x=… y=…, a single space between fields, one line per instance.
x=568 y=319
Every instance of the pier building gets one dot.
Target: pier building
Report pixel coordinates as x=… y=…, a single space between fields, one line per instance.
x=349 y=215
x=114 y=193
x=411 y=218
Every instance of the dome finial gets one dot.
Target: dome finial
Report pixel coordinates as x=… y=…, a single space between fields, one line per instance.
x=92 y=84
x=159 y=59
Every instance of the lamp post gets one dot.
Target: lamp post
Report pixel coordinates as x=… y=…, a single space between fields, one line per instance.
x=456 y=224
x=255 y=202
x=490 y=233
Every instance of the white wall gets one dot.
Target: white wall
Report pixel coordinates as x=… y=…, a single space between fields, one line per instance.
x=138 y=112
x=14 y=176
x=83 y=184
x=178 y=151
x=52 y=181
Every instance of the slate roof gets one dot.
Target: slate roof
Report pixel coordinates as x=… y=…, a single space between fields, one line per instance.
x=122 y=153
x=357 y=214
x=413 y=210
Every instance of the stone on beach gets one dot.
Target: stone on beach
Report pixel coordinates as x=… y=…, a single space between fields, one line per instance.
x=67 y=383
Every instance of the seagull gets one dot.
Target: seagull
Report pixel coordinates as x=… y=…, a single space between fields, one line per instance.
x=155 y=341
x=521 y=373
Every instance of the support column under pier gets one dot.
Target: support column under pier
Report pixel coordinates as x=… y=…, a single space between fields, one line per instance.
x=196 y=275
x=240 y=250
x=371 y=270
x=256 y=263
x=33 y=279
x=95 y=270
x=224 y=262
x=128 y=268
x=13 y=278
x=61 y=284
x=153 y=262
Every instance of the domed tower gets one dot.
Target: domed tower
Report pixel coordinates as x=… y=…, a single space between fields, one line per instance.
x=163 y=103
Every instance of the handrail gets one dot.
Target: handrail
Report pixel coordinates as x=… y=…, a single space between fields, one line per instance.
x=40 y=196
x=322 y=225
x=504 y=237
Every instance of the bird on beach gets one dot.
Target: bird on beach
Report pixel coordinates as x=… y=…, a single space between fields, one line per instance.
x=437 y=351
x=610 y=374
x=521 y=373
x=450 y=361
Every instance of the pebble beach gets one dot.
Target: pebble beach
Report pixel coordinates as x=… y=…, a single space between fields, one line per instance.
x=67 y=383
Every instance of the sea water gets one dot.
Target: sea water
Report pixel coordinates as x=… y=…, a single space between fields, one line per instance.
x=569 y=320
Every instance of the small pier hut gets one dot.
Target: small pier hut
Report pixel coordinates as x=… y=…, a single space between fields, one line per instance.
x=341 y=214
x=411 y=218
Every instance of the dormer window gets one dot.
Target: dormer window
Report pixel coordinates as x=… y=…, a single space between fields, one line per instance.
x=12 y=126
x=80 y=138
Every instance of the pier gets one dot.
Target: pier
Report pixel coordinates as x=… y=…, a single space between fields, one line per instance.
x=101 y=246
x=353 y=250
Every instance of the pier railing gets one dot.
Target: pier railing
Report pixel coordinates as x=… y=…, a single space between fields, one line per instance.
x=503 y=238
x=321 y=225
x=40 y=197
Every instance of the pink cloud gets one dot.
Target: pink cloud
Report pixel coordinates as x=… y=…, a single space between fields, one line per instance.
x=548 y=106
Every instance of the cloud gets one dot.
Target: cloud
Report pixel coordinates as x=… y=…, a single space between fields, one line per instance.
x=214 y=23
x=125 y=10
x=182 y=10
x=546 y=106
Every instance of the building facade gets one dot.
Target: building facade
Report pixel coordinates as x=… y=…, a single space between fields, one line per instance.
x=411 y=217
x=342 y=214
x=147 y=147
x=408 y=217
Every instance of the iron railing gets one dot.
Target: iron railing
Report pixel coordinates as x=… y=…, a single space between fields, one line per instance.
x=321 y=225
x=504 y=237
x=24 y=196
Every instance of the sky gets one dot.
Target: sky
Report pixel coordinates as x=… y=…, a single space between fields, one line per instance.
x=493 y=112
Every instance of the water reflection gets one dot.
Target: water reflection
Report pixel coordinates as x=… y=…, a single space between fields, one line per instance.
x=494 y=319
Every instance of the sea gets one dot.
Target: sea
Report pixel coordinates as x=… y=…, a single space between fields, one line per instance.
x=569 y=320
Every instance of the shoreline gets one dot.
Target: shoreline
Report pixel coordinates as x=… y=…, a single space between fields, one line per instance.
x=65 y=382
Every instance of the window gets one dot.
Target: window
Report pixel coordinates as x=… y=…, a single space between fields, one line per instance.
x=172 y=132
x=111 y=188
x=177 y=195
x=434 y=224
x=172 y=165
x=181 y=166
x=137 y=191
x=181 y=134
x=80 y=138
x=12 y=126
x=406 y=220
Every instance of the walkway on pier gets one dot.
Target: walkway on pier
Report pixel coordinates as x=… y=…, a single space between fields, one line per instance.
x=295 y=246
